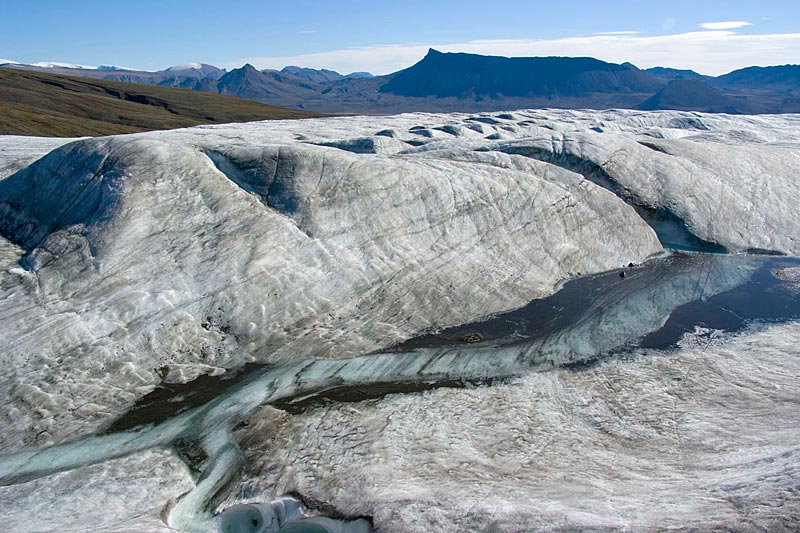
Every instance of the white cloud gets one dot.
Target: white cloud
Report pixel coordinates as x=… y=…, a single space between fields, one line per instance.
x=707 y=52
x=724 y=25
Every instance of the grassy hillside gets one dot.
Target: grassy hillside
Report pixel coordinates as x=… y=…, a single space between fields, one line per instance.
x=34 y=103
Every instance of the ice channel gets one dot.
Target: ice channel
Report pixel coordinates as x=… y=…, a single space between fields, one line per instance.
x=645 y=305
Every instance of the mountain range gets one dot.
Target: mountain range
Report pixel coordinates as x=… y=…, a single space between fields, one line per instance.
x=469 y=82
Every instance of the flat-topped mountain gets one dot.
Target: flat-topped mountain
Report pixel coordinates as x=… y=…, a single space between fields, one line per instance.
x=464 y=75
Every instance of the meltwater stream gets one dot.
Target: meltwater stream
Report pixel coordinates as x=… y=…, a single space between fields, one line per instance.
x=651 y=305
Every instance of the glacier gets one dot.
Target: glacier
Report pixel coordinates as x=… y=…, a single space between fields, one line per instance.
x=310 y=252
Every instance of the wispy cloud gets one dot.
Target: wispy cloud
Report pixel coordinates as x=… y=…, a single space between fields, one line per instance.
x=730 y=25
x=306 y=32
x=617 y=33
x=708 y=52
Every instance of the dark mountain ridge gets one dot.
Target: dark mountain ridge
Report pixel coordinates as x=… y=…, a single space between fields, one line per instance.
x=783 y=77
x=321 y=75
x=463 y=75
x=312 y=75
x=266 y=86
x=670 y=74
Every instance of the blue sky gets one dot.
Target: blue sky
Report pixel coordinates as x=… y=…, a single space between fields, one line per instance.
x=383 y=36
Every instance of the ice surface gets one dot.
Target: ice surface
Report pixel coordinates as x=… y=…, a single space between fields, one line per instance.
x=302 y=244
x=275 y=249
x=703 y=438
x=649 y=297
x=128 y=494
x=17 y=152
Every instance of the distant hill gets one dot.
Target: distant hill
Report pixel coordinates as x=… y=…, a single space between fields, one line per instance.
x=670 y=74
x=35 y=103
x=313 y=75
x=322 y=75
x=247 y=82
x=468 y=75
x=693 y=95
x=114 y=73
x=195 y=70
x=784 y=78
x=359 y=75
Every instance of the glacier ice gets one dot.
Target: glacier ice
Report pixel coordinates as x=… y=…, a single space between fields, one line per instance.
x=275 y=249
x=127 y=493
x=309 y=247
x=700 y=438
x=651 y=294
x=17 y=152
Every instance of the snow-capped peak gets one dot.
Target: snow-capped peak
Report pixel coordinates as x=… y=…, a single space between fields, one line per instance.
x=114 y=68
x=57 y=64
x=8 y=62
x=185 y=66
